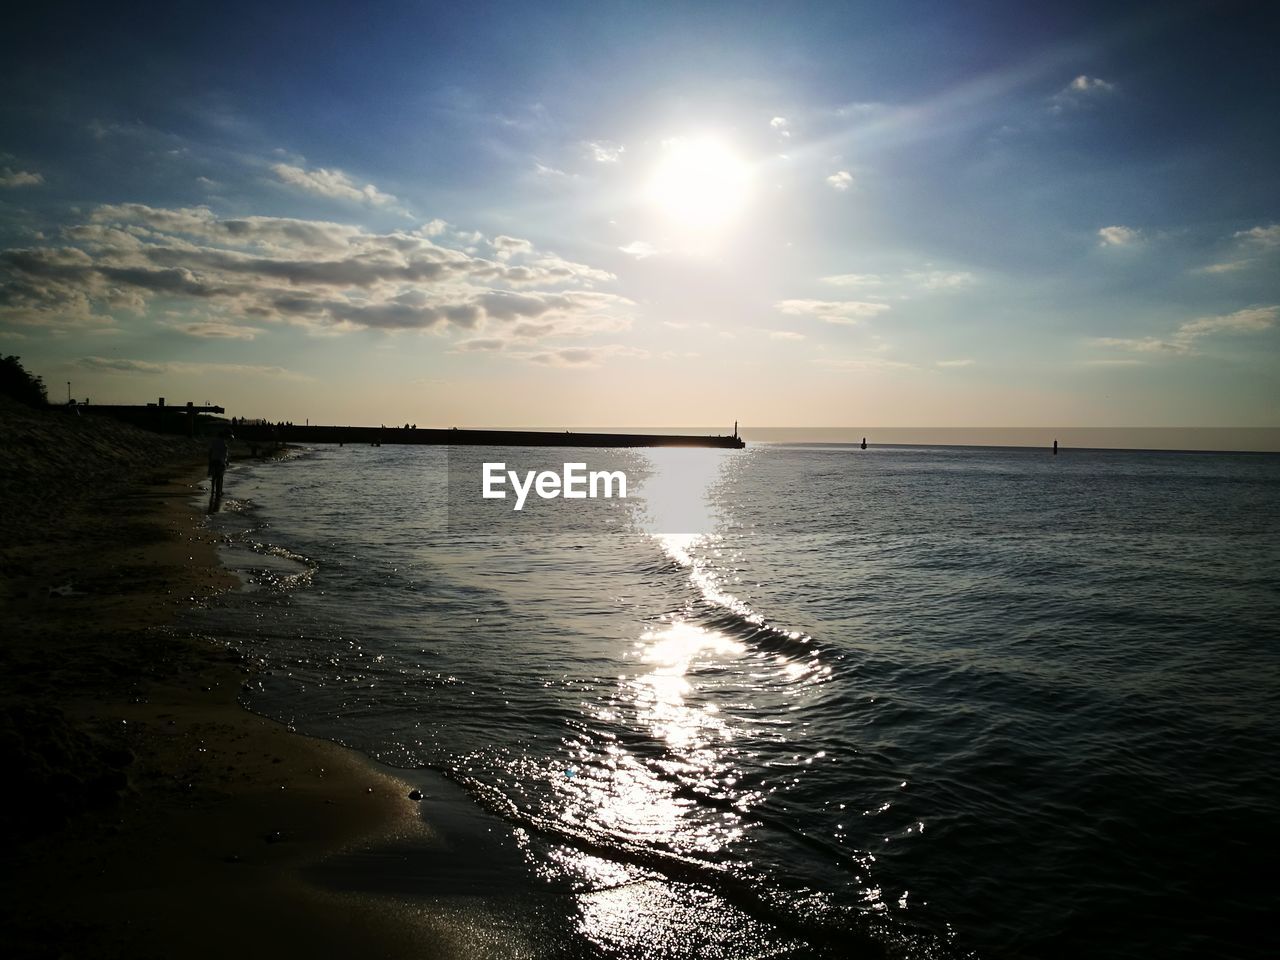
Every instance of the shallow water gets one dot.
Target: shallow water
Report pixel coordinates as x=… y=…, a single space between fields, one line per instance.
x=797 y=700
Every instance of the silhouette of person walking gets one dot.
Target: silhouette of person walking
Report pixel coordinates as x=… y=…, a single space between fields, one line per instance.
x=219 y=454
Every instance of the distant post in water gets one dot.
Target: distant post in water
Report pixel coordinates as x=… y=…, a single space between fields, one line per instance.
x=1055 y=448
x=864 y=443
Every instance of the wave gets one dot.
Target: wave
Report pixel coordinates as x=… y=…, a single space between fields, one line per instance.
x=831 y=932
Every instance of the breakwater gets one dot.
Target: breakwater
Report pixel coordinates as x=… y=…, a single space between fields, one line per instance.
x=293 y=433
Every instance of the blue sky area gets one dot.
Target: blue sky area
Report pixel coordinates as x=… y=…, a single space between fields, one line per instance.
x=629 y=214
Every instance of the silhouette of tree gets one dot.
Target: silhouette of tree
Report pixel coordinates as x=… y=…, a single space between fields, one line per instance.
x=17 y=383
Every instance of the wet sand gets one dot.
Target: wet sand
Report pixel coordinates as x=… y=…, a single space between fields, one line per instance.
x=149 y=815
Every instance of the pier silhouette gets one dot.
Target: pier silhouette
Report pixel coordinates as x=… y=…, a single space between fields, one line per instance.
x=294 y=433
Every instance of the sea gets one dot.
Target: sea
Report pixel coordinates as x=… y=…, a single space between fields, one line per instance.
x=804 y=700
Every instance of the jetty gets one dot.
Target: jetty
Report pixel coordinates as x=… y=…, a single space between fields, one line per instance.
x=295 y=433
x=200 y=419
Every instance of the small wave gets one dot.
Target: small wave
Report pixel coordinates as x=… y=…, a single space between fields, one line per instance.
x=718 y=610
x=754 y=631
x=859 y=929
x=264 y=566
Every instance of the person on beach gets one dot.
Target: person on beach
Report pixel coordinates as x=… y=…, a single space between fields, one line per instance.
x=219 y=453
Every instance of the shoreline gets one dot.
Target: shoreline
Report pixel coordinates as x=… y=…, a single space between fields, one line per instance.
x=192 y=826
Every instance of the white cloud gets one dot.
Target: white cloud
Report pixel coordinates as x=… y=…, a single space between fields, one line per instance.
x=785 y=335
x=1242 y=321
x=506 y=247
x=1185 y=338
x=1079 y=92
x=542 y=170
x=781 y=126
x=940 y=279
x=331 y=183
x=954 y=363
x=323 y=276
x=1227 y=266
x=840 y=181
x=919 y=279
x=854 y=280
x=640 y=249
x=1083 y=84
x=604 y=151
x=1118 y=236
x=1262 y=236
x=1252 y=247
x=19 y=178
x=832 y=311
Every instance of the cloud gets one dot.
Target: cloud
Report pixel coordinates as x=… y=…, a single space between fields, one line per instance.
x=954 y=363
x=1080 y=92
x=218 y=331
x=1242 y=321
x=784 y=335
x=1118 y=236
x=1227 y=266
x=832 y=311
x=641 y=249
x=122 y=365
x=119 y=364
x=603 y=151
x=480 y=344
x=854 y=280
x=506 y=247
x=919 y=279
x=331 y=183
x=940 y=279
x=582 y=356
x=1083 y=84
x=19 y=178
x=781 y=126
x=1252 y=246
x=1185 y=338
x=1262 y=236
x=840 y=181
x=325 y=276
x=542 y=170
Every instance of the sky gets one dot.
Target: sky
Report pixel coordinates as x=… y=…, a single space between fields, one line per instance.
x=648 y=214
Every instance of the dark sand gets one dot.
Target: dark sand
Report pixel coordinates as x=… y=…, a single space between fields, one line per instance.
x=145 y=813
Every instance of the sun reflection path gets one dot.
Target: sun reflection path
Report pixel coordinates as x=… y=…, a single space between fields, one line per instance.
x=643 y=790
x=661 y=694
x=660 y=767
x=668 y=775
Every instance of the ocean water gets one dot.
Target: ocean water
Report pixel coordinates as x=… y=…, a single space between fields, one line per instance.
x=808 y=700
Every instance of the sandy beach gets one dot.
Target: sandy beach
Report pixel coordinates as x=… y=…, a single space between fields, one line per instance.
x=147 y=813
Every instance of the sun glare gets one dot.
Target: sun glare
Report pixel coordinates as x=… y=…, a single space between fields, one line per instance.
x=700 y=184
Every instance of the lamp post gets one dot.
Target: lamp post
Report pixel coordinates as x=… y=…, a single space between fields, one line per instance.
x=68 y=391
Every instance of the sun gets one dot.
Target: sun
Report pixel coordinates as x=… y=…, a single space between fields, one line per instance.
x=699 y=183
